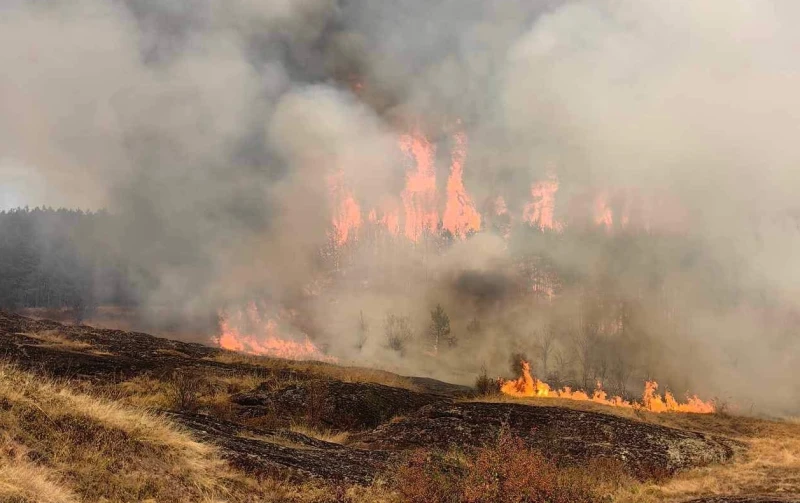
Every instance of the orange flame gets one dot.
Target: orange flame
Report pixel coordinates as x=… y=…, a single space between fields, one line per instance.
x=419 y=195
x=529 y=386
x=346 y=219
x=500 y=206
x=602 y=211
x=539 y=212
x=388 y=218
x=247 y=331
x=460 y=216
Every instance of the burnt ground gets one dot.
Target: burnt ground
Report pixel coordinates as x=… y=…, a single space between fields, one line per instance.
x=384 y=421
x=285 y=453
x=337 y=405
x=569 y=435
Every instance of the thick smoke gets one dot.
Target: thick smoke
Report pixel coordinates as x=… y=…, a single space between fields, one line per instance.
x=211 y=128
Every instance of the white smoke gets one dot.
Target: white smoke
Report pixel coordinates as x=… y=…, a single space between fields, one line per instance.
x=211 y=127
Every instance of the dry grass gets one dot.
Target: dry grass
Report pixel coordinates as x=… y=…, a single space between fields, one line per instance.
x=100 y=448
x=51 y=338
x=214 y=391
x=319 y=369
x=770 y=462
x=61 y=446
x=22 y=481
x=324 y=435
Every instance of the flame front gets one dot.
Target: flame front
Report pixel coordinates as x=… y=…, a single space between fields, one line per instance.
x=602 y=211
x=419 y=195
x=460 y=216
x=540 y=211
x=248 y=331
x=346 y=219
x=529 y=386
x=387 y=218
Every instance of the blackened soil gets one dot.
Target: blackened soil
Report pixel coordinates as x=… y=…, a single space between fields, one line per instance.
x=387 y=420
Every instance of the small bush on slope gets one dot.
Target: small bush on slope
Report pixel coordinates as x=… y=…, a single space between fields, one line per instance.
x=503 y=472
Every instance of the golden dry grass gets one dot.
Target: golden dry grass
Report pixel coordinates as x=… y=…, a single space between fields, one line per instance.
x=22 y=481
x=324 y=435
x=319 y=369
x=60 y=446
x=52 y=338
x=213 y=394
x=768 y=463
x=100 y=448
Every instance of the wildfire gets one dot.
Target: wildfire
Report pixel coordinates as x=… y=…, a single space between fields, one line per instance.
x=346 y=218
x=419 y=195
x=540 y=211
x=388 y=218
x=602 y=211
x=529 y=386
x=500 y=216
x=500 y=206
x=248 y=331
x=460 y=216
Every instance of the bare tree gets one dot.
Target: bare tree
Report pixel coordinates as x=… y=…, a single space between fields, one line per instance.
x=439 y=329
x=363 y=331
x=474 y=329
x=547 y=341
x=621 y=370
x=586 y=342
x=398 y=332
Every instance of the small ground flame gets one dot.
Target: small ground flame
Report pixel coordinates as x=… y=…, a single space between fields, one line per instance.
x=247 y=331
x=529 y=386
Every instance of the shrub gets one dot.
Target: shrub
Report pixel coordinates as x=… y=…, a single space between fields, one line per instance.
x=485 y=385
x=184 y=388
x=398 y=332
x=506 y=471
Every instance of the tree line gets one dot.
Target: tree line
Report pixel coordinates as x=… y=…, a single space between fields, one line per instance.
x=59 y=258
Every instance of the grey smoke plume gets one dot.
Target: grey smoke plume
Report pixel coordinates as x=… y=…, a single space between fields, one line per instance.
x=210 y=127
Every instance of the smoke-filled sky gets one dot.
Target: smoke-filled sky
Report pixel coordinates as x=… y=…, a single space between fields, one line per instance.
x=209 y=126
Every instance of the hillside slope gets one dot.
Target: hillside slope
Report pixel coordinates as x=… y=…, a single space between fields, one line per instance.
x=130 y=417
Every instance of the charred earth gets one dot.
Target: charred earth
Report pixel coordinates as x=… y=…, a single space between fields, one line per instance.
x=347 y=428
